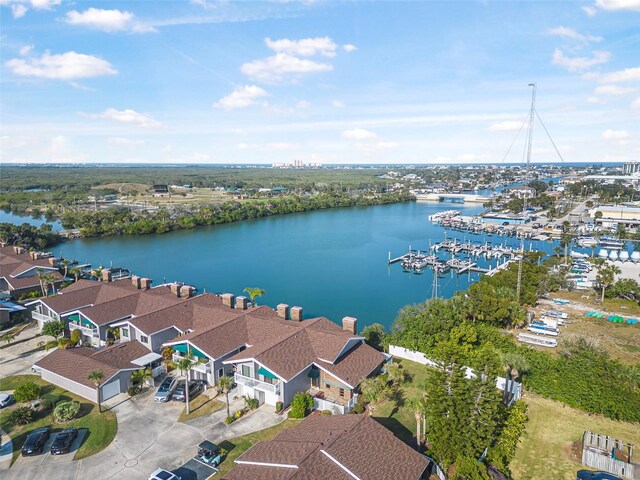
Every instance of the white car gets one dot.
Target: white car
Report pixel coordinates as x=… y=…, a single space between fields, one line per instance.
x=6 y=399
x=161 y=474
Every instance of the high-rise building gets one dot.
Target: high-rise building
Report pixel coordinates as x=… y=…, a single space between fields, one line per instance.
x=631 y=167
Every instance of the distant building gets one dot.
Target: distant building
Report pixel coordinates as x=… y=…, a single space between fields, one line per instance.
x=160 y=188
x=631 y=167
x=523 y=192
x=627 y=215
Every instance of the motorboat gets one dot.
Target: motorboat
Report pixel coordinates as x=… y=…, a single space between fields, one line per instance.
x=586 y=241
x=575 y=254
x=603 y=254
x=611 y=243
x=613 y=255
x=635 y=257
x=624 y=256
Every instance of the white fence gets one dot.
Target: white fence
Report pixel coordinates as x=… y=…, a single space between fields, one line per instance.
x=421 y=358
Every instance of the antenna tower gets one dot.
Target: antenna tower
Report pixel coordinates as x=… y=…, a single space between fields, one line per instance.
x=532 y=114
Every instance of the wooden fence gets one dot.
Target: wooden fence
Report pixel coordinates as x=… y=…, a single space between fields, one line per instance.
x=597 y=453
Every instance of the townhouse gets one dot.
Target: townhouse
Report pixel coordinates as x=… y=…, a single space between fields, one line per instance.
x=22 y=272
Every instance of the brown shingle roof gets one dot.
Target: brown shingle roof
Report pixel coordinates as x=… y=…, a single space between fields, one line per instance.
x=323 y=446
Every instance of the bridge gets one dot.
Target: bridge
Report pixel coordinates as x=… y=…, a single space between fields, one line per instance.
x=452 y=198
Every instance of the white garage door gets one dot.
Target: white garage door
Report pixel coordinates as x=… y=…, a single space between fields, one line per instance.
x=110 y=389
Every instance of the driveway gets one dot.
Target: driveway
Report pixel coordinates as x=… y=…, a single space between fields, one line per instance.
x=148 y=437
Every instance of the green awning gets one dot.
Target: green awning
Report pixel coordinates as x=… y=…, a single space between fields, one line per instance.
x=197 y=353
x=181 y=348
x=266 y=373
x=87 y=323
x=313 y=373
x=75 y=317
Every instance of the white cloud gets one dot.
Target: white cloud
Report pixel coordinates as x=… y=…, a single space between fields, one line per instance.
x=281 y=146
x=306 y=47
x=44 y=4
x=242 y=146
x=274 y=69
x=337 y=104
x=349 y=47
x=127 y=116
x=18 y=10
x=636 y=104
x=577 y=64
x=614 y=5
x=508 y=126
x=25 y=50
x=613 y=90
x=591 y=11
x=626 y=75
x=359 y=134
x=65 y=66
x=595 y=101
x=566 y=32
x=125 y=142
x=241 y=97
x=372 y=147
x=615 y=134
x=303 y=104
x=107 y=20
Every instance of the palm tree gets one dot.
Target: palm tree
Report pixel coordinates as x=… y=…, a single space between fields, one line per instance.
x=96 y=377
x=396 y=373
x=606 y=276
x=225 y=383
x=76 y=272
x=419 y=406
x=141 y=375
x=46 y=279
x=374 y=390
x=254 y=292
x=514 y=364
x=185 y=364
x=8 y=337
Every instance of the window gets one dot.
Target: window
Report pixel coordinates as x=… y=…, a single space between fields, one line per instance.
x=246 y=370
x=326 y=385
x=125 y=332
x=342 y=392
x=220 y=372
x=144 y=339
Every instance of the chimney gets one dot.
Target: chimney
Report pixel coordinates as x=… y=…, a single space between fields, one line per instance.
x=296 y=314
x=145 y=283
x=15 y=249
x=242 y=303
x=33 y=255
x=53 y=261
x=350 y=324
x=283 y=311
x=21 y=250
x=106 y=275
x=227 y=299
x=186 y=291
x=135 y=281
x=175 y=289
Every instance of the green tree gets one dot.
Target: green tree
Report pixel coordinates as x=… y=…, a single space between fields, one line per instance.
x=225 y=383
x=141 y=375
x=53 y=329
x=75 y=337
x=96 y=377
x=606 y=276
x=8 y=337
x=514 y=364
x=254 y=292
x=396 y=374
x=374 y=390
x=374 y=335
x=301 y=405
x=185 y=364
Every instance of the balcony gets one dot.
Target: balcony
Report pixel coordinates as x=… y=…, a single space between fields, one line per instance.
x=335 y=406
x=42 y=318
x=255 y=383
x=88 y=331
x=198 y=366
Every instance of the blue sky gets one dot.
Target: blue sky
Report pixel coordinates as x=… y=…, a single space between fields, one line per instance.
x=323 y=82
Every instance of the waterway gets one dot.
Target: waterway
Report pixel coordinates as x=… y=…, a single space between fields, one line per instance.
x=333 y=263
x=35 y=221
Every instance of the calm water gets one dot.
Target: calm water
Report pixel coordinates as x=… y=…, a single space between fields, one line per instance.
x=19 y=219
x=332 y=263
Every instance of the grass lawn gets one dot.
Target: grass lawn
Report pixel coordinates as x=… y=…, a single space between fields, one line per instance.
x=399 y=417
x=237 y=446
x=551 y=446
x=102 y=427
x=200 y=406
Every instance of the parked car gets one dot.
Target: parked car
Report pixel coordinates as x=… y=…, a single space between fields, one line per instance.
x=34 y=444
x=195 y=387
x=6 y=399
x=166 y=389
x=161 y=474
x=63 y=441
x=589 y=475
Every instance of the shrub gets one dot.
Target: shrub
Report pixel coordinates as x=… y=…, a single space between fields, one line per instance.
x=66 y=411
x=21 y=416
x=301 y=405
x=229 y=420
x=49 y=401
x=27 y=392
x=75 y=337
x=252 y=403
x=327 y=412
x=134 y=390
x=237 y=414
x=279 y=406
x=358 y=408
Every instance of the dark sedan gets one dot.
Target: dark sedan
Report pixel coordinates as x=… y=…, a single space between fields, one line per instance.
x=63 y=441
x=589 y=475
x=34 y=444
x=195 y=387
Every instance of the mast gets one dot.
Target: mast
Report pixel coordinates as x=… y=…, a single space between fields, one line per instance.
x=526 y=181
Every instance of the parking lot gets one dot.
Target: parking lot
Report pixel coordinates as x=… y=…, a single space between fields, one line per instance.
x=45 y=459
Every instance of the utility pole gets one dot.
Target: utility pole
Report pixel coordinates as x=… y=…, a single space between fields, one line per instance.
x=434 y=286
x=526 y=181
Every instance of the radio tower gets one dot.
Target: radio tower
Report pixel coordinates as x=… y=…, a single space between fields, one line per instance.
x=526 y=181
